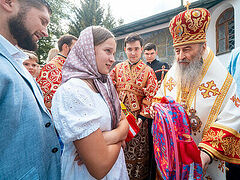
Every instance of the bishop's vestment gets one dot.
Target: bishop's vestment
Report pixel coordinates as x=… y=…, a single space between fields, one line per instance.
x=213 y=107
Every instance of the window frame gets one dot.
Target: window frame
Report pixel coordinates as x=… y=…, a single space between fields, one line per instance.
x=225 y=23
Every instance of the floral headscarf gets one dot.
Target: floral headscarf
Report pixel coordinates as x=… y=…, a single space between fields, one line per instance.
x=81 y=63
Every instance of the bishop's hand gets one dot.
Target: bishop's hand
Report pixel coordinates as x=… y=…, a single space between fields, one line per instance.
x=205 y=161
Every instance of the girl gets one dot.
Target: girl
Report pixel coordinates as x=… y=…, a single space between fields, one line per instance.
x=87 y=112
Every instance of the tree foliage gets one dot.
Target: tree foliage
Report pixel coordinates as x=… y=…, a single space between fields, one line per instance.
x=109 y=21
x=90 y=13
x=67 y=18
x=55 y=28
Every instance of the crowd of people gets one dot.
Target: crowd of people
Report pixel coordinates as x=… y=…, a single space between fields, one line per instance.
x=65 y=120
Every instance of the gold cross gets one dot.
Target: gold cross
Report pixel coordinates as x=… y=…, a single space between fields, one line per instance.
x=209 y=89
x=170 y=84
x=187 y=5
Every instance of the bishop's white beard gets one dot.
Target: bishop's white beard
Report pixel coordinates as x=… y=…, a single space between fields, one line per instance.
x=188 y=75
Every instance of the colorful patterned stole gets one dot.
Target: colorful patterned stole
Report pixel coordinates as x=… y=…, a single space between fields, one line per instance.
x=176 y=154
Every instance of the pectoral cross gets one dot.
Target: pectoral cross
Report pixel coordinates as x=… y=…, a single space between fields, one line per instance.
x=195 y=121
x=187 y=5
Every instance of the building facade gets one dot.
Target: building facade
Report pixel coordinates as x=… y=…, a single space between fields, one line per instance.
x=223 y=32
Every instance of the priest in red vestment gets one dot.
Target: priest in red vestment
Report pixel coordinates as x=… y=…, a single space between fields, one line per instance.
x=50 y=76
x=136 y=84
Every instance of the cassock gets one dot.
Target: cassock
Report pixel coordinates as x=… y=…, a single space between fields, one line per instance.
x=160 y=69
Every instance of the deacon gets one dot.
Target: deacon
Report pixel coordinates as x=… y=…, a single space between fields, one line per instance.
x=136 y=84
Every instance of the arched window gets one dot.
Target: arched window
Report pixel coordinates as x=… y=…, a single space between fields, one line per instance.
x=225 y=31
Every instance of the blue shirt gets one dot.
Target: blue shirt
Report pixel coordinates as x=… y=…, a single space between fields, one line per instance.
x=234 y=67
x=16 y=53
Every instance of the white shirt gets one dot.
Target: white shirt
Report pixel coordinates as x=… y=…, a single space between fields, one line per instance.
x=77 y=112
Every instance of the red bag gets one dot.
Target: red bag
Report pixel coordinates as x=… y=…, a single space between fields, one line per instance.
x=133 y=127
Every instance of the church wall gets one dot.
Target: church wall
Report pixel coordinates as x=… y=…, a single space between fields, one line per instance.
x=158 y=35
x=161 y=37
x=211 y=34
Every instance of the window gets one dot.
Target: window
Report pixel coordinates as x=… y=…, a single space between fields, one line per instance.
x=225 y=31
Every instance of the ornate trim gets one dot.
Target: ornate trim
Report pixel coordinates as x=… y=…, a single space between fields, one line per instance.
x=223 y=142
x=190 y=42
x=218 y=103
x=164 y=84
x=58 y=61
x=226 y=128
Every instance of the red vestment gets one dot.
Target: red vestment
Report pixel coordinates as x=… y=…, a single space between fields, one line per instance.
x=50 y=78
x=136 y=85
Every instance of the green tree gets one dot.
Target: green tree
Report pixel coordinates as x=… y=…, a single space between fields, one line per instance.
x=90 y=13
x=56 y=28
x=109 y=21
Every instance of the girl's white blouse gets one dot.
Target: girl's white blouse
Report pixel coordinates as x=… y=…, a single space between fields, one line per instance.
x=77 y=112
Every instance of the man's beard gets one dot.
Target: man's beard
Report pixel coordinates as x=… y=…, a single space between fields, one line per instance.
x=20 y=33
x=188 y=75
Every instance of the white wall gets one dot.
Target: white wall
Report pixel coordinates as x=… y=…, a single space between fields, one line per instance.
x=211 y=34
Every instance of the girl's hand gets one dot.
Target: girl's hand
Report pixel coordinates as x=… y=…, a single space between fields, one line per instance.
x=119 y=134
x=123 y=144
x=78 y=159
